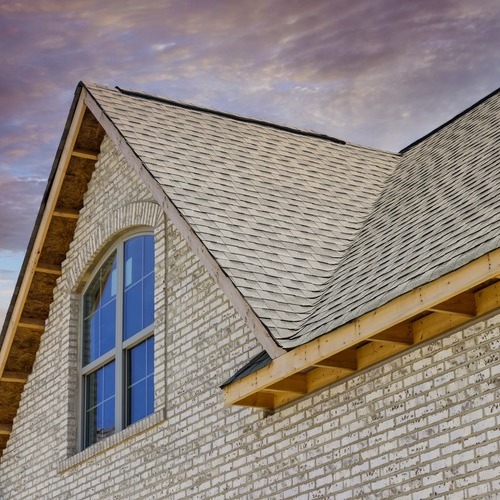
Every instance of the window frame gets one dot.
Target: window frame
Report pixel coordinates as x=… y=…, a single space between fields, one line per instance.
x=119 y=353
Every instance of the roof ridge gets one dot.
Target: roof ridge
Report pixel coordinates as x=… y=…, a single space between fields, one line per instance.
x=232 y=116
x=451 y=120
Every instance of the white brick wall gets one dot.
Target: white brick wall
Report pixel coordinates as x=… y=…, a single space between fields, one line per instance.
x=425 y=424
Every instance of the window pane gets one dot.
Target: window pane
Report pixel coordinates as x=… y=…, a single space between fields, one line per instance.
x=133 y=260
x=140 y=381
x=100 y=404
x=149 y=254
x=107 y=327
x=138 y=363
x=132 y=311
x=148 y=307
x=100 y=312
x=138 y=304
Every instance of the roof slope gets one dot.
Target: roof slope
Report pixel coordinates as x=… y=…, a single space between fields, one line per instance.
x=276 y=207
x=439 y=211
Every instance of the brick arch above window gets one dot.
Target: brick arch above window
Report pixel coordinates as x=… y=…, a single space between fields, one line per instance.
x=145 y=215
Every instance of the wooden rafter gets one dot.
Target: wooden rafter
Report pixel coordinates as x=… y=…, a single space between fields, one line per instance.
x=433 y=309
x=397 y=334
x=296 y=384
x=42 y=267
x=38 y=243
x=463 y=304
x=5 y=429
x=87 y=155
x=347 y=359
x=32 y=324
x=18 y=378
x=66 y=213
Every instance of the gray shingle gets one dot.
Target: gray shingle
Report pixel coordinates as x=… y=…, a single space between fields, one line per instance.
x=439 y=211
x=315 y=232
x=261 y=199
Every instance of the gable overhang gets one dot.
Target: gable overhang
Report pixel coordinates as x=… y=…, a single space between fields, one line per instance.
x=450 y=302
x=53 y=232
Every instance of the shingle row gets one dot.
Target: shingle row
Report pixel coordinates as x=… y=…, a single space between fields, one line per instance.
x=314 y=232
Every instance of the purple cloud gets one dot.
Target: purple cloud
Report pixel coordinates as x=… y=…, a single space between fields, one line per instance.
x=376 y=72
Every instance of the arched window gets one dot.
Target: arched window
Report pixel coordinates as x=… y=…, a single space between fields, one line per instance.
x=117 y=346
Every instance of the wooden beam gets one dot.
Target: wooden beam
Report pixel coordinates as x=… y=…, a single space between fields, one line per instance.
x=321 y=377
x=436 y=323
x=397 y=334
x=374 y=352
x=42 y=230
x=18 y=378
x=48 y=269
x=66 y=213
x=295 y=384
x=259 y=400
x=5 y=429
x=82 y=153
x=396 y=311
x=344 y=359
x=32 y=324
x=488 y=299
x=463 y=304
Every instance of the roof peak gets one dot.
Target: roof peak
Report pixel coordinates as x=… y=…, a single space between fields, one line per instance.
x=232 y=116
x=451 y=120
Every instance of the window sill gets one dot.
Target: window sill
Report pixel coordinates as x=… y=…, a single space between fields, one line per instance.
x=112 y=441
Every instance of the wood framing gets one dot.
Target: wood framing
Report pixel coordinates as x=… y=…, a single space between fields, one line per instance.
x=18 y=378
x=5 y=429
x=88 y=155
x=52 y=236
x=65 y=213
x=48 y=269
x=432 y=309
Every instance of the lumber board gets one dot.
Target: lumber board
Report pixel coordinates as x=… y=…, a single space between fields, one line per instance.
x=14 y=377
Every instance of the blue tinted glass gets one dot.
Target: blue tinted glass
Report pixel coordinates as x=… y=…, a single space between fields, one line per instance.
x=100 y=312
x=138 y=363
x=140 y=381
x=108 y=418
x=150 y=395
x=139 y=285
x=138 y=407
x=108 y=380
x=132 y=311
x=107 y=327
x=100 y=404
x=149 y=254
x=108 y=280
x=148 y=301
x=91 y=337
x=133 y=260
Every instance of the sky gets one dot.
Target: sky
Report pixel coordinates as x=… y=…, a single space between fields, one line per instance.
x=380 y=73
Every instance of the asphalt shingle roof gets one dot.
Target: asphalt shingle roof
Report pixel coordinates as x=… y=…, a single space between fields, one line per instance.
x=439 y=211
x=276 y=207
x=313 y=231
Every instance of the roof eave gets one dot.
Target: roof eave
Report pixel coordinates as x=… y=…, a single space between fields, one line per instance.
x=447 y=303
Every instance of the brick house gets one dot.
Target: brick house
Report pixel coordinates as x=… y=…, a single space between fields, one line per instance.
x=217 y=307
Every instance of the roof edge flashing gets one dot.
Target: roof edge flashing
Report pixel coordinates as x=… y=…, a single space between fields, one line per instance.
x=451 y=120
x=224 y=114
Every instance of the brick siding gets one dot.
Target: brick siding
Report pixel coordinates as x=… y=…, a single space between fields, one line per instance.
x=425 y=424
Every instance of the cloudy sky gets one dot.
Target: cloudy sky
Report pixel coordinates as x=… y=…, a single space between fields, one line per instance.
x=375 y=72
